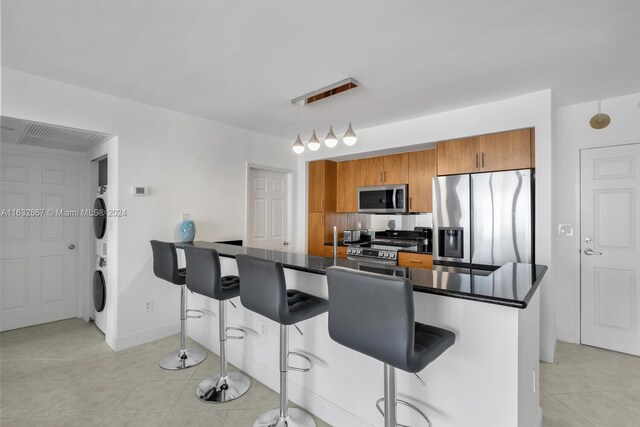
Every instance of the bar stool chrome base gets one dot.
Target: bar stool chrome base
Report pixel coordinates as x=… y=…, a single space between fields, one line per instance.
x=220 y=390
x=296 y=418
x=182 y=360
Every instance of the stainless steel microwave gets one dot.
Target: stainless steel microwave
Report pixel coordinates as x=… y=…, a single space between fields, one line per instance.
x=383 y=199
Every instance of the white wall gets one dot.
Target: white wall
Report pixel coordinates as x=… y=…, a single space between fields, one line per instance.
x=571 y=134
x=534 y=109
x=190 y=164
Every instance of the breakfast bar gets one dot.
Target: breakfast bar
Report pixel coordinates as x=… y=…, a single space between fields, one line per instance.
x=489 y=377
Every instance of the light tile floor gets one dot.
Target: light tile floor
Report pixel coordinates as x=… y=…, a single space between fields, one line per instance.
x=588 y=386
x=64 y=374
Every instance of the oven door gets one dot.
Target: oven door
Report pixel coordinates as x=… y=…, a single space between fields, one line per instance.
x=381 y=267
x=382 y=199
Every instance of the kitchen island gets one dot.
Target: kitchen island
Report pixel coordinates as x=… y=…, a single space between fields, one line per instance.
x=489 y=377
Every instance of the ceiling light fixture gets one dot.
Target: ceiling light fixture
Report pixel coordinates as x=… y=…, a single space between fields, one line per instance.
x=298 y=146
x=314 y=142
x=600 y=120
x=331 y=140
x=350 y=137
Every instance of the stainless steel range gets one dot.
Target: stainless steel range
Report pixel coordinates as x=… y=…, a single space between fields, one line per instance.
x=383 y=249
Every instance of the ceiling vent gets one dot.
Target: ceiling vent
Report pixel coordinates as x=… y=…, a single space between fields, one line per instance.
x=60 y=137
x=326 y=92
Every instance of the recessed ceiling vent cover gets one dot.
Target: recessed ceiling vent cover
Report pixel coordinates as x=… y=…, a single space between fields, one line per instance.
x=60 y=137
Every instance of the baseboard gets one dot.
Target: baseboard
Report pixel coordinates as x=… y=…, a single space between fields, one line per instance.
x=547 y=354
x=568 y=335
x=317 y=405
x=122 y=343
x=538 y=422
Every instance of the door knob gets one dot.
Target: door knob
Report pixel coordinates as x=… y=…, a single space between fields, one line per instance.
x=590 y=251
x=285 y=243
x=72 y=246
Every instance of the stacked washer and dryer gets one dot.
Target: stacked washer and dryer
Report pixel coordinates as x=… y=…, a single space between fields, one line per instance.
x=100 y=231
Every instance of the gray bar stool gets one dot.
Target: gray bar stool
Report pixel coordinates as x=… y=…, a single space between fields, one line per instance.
x=373 y=314
x=204 y=278
x=263 y=290
x=165 y=267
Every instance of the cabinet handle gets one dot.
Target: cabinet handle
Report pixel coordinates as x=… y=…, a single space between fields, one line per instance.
x=409 y=202
x=384 y=176
x=416 y=261
x=380 y=177
x=482 y=159
x=477 y=161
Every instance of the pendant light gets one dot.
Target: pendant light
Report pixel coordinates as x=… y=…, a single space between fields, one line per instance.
x=600 y=120
x=314 y=142
x=298 y=146
x=331 y=140
x=350 y=137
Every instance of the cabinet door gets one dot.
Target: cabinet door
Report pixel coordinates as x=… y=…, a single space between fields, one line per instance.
x=395 y=169
x=371 y=171
x=316 y=186
x=342 y=251
x=315 y=234
x=505 y=151
x=347 y=186
x=458 y=156
x=422 y=169
x=406 y=259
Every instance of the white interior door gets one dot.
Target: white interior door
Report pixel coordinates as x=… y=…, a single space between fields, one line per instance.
x=610 y=258
x=268 y=217
x=38 y=269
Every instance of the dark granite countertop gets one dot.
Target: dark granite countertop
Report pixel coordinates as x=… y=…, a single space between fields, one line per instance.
x=511 y=285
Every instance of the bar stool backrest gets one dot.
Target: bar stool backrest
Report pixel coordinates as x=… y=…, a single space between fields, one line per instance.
x=203 y=272
x=372 y=314
x=165 y=261
x=263 y=288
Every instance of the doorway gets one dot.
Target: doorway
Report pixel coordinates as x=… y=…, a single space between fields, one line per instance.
x=39 y=266
x=609 y=243
x=269 y=208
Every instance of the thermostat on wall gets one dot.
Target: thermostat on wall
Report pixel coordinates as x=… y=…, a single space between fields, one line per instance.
x=139 y=191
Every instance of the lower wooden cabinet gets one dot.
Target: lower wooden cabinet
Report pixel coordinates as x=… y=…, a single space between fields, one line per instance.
x=406 y=259
x=328 y=251
x=316 y=234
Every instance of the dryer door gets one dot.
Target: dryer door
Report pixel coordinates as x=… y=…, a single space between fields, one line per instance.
x=99 y=291
x=99 y=218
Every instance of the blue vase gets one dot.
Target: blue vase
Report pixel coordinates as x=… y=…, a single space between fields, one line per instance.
x=187 y=231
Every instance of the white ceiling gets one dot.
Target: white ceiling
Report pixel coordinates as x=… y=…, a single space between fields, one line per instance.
x=241 y=62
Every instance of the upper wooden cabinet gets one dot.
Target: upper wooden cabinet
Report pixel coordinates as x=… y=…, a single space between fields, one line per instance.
x=506 y=150
x=384 y=170
x=457 y=156
x=348 y=181
x=322 y=186
x=487 y=153
x=395 y=169
x=422 y=169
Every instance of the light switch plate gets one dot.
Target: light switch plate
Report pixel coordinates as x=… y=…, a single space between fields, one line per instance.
x=565 y=230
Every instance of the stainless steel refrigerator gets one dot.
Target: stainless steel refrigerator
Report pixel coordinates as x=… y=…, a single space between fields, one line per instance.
x=483 y=220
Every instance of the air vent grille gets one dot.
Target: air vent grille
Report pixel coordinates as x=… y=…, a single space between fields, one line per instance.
x=60 y=137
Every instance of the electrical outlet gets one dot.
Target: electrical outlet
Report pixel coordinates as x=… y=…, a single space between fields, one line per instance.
x=148 y=305
x=263 y=328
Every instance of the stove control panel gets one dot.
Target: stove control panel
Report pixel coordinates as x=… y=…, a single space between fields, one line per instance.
x=372 y=253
